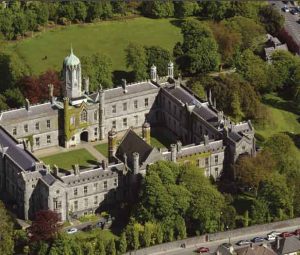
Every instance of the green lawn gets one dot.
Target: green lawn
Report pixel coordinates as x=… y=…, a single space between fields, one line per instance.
x=107 y=37
x=282 y=119
x=67 y=159
x=103 y=149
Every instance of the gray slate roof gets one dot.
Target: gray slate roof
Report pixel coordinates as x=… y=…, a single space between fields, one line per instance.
x=288 y=245
x=255 y=250
x=16 y=151
x=46 y=109
x=133 y=143
x=48 y=179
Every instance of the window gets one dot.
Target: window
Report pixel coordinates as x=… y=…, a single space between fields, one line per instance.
x=48 y=139
x=86 y=202
x=37 y=141
x=105 y=184
x=206 y=162
x=37 y=126
x=95 y=115
x=124 y=106
x=72 y=120
x=85 y=190
x=95 y=200
x=146 y=102
x=95 y=131
x=75 y=205
x=174 y=109
x=114 y=109
x=115 y=182
x=83 y=116
x=216 y=159
x=217 y=171
x=14 y=131
x=75 y=191
x=48 y=124
x=56 y=204
x=26 y=128
x=125 y=122
x=114 y=124
x=135 y=104
x=95 y=185
x=136 y=120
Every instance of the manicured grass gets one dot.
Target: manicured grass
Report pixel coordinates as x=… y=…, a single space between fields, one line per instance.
x=107 y=37
x=284 y=117
x=103 y=149
x=156 y=143
x=67 y=159
x=159 y=140
x=95 y=234
x=89 y=217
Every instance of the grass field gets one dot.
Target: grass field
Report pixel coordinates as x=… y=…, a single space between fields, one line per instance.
x=102 y=148
x=67 y=159
x=107 y=37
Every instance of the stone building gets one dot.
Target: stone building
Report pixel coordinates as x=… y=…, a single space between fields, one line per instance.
x=202 y=136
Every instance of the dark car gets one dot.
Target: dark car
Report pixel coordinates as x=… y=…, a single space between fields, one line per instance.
x=294 y=11
x=202 y=250
x=297 y=232
x=258 y=239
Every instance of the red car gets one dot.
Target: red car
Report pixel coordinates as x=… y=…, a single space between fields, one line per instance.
x=202 y=250
x=297 y=232
x=286 y=234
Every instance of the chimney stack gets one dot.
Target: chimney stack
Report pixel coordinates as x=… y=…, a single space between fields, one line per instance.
x=51 y=89
x=27 y=104
x=86 y=85
x=76 y=169
x=136 y=162
x=124 y=86
x=153 y=73
x=173 y=152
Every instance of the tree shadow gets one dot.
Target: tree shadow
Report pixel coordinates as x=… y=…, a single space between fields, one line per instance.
x=92 y=162
x=177 y=22
x=118 y=75
x=295 y=138
x=282 y=104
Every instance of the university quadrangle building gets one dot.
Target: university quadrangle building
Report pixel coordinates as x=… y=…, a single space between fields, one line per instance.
x=203 y=136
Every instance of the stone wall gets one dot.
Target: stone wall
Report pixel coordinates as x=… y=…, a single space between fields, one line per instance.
x=217 y=236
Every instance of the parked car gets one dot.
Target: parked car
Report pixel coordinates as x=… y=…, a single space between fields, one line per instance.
x=243 y=242
x=286 y=234
x=72 y=230
x=258 y=239
x=274 y=233
x=227 y=245
x=202 y=250
x=294 y=11
x=271 y=237
x=297 y=232
x=285 y=9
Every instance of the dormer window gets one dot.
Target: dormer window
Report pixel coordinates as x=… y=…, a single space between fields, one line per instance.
x=83 y=116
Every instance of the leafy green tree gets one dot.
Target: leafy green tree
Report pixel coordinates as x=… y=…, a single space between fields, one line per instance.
x=246 y=219
x=3 y=105
x=61 y=245
x=41 y=10
x=88 y=249
x=106 y=10
x=159 y=233
x=185 y=9
x=6 y=23
x=180 y=228
x=67 y=10
x=148 y=233
x=228 y=217
x=14 y=98
x=216 y=10
x=199 y=47
x=20 y=24
x=53 y=11
x=31 y=17
x=122 y=243
x=80 y=10
x=159 y=57
x=94 y=11
x=100 y=249
x=158 y=9
x=119 y=6
x=259 y=211
x=98 y=68
x=111 y=247
x=6 y=232
x=136 y=59
x=271 y=18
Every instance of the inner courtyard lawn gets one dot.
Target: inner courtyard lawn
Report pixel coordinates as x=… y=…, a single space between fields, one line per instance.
x=48 y=49
x=65 y=160
x=103 y=149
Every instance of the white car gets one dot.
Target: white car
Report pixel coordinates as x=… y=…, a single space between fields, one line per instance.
x=286 y=9
x=271 y=237
x=274 y=233
x=72 y=230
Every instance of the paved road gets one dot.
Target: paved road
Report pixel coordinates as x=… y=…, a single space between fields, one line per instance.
x=291 y=21
x=214 y=245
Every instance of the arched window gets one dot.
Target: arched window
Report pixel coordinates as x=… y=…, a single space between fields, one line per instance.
x=95 y=115
x=83 y=116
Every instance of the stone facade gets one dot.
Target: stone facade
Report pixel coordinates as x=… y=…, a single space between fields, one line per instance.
x=202 y=136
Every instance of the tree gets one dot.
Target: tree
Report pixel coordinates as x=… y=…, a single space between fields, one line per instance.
x=199 y=47
x=20 y=24
x=67 y=10
x=45 y=226
x=98 y=68
x=6 y=23
x=185 y=9
x=216 y=10
x=259 y=211
x=100 y=250
x=246 y=219
x=158 y=9
x=61 y=245
x=136 y=59
x=122 y=243
x=119 y=6
x=148 y=233
x=180 y=228
x=14 y=98
x=271 y=18
x=31 y=17
x=6 y=232
x=80 y=10
x=88 y=249
x=111 y=247
x=159 y=57
x=159 y=234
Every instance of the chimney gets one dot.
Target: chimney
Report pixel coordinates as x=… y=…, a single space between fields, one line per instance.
x=125 y=158
x=48 y=169
x=86 y=85
x=51 y=89
x=112 y=144
x=209 y=97
x=146 y=132
x=55 y=170
x=76 y=169
x=173 y=152
x=179 y=146
x=171 y=70
x=136 y=162
x=124 y=86
x=277 y=243
x=153 y=73
x=27 y=104
x=206 y=140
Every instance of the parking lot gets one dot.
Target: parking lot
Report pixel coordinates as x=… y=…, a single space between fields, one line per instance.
x=291 y=24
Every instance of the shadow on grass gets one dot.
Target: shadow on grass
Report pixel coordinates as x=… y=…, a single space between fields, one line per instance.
x=177 y=22
x=92 y=162
x=282 y=104
x=162 y=138
x=295 y=138
x=118 y=75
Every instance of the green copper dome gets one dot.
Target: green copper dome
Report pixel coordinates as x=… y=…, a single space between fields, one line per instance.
x=71 y=60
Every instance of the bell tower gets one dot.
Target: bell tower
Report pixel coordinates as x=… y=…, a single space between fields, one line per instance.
x=72 y=76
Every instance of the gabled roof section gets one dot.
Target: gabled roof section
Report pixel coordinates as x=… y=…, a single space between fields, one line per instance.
x=288 y=245
x=16 y=151
x=131 y=143
x=255 y=250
